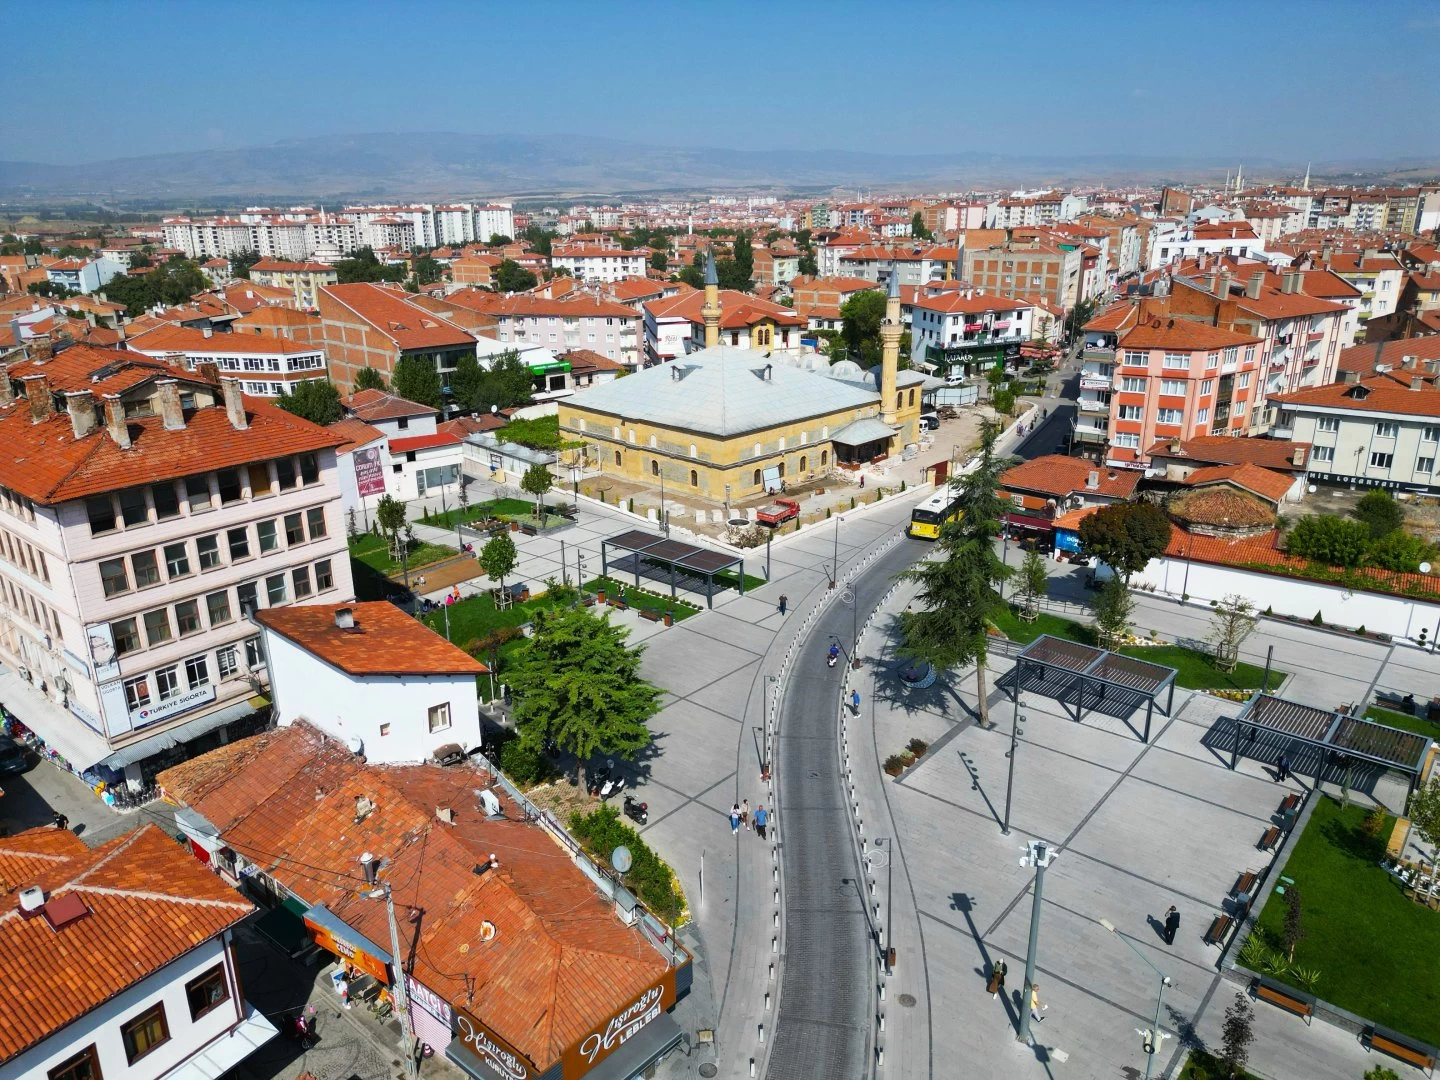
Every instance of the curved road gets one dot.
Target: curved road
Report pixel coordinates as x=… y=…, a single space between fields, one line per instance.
x=824 y=1023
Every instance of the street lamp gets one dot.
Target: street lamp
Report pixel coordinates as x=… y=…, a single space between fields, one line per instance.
x=1154 y=1037
x=1015 y=722
x=381 y=891
x=1040 y=855
x=848 y=599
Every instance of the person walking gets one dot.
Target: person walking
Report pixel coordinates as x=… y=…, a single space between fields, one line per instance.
x=1172 y=924
x=61 y=821
x=996 y=985
x=762 y=819
x=735 y=820
x=784 y=602
x=855 y=701
x=342 y=987
x=1282 y=769
x=745 y=813
x=1035 y=1007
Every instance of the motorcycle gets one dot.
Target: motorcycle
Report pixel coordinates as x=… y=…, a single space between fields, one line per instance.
x=636 y=810
x=612 y=786
x=832 y=656
x=606 y=781
x=598 y=779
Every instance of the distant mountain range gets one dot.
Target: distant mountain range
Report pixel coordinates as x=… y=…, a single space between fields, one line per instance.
x=453 y=165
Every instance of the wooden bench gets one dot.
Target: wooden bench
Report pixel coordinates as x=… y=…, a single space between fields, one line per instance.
x=618 y=602
x=1245 y=885
x=1218 y=929
x=1286 y=1001
x=649 y=614
x=1397 y=1046
x=1292 y=801
x=1270 y=839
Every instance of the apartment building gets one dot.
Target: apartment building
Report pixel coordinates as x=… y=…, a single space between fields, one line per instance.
x=776 y=264
x=370 y=325
x=818 y=299
x=144 y=510
x=1014 y=213
x=82 y=275
x=599 y=262
x=578 y=321
x=1124 y=249
x=1034 y=265
x=266 y=364
x=913 y=263
x=1378 y=275
x=302 y=279
x=960 y=332
x=1380 y=431
x=283 y=322
x=675 y=326
x=1181 y=241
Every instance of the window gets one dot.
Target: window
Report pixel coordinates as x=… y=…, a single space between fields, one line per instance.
x=228 y=481
x=1203 y=415
x=1130 y=441
x=1130 y=412
x=259 y=476
x=1249 y=354
x=315 y=522
x=187 y=617
x=285 y=473
x=197 y=672
x=694 y=478
x=300 y=578
x=254 y=656
x=207 y=991
x=269 y=539
x=167 y=682
x=1137 y=359
x=217 y=606
x=1386 y=430
x=145 y=1032
x=1425 y=464
x=157 y=627
x=1322 y=453
x=1429 y=434
x=384 y=730
x=1238 y=408
x=1381 y=461
x=133 y=510
x=617 y=457
x=246 y=596
x=1130 y=384
x=1242 y=380
x=1208 y=386
x=309 y=469
x=1232 y=354
x=1328 y=423
x=654 y=467
x=275 y=590
x=1172 y=386
x=83 y=1066
x=197 y=490
x=145 y=569
x=101 y=512
x=208 y=548
x=126 y=635
x=167 y=504
x=1177 y=360
x=239 y=541
x=113 y=578
x=324 y=577
x=294 y=530
x=440 y=717
x=225 y=662
x=137 y=693
x=177 y=561
x=1168 y=416
x=1212 y=359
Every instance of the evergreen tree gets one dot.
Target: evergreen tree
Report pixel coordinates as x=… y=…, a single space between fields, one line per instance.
x=510 y=276
x=1034 y=581
x=367 y=378
x=466 y=382
x=1237 y=1035
x=315 y=400
x=918 y=229
x=417 y=380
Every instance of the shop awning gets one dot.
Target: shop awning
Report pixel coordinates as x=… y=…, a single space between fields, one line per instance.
x=63 y=732
x=224 y=1054
x=183 y=733
x=337 y=936
x=860 y=432
x=1025 y=522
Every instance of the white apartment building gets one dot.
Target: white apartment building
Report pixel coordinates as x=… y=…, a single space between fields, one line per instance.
x=1377 y=274
x=421 y=460
x=1178 y=241
x=960 y=331
x=266 y=364
x=602 y=326
x=144 y=510
x=83 y=275
x=599 y=262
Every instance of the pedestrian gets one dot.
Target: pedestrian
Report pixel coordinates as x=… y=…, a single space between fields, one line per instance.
x=1035 y=1007
x=735 y=820
x=343 y=989
x=1172 y=924
x=862 y=480
x=1282 y=769
x=855 y=701
x=762 y=818
x=61 y=821
x=996 y=985
x=745 y=814
x=784 y=603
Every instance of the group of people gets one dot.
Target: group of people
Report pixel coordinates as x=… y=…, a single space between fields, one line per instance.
x=740 y=815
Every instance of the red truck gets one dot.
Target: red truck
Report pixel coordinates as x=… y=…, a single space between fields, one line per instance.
x=778 y=512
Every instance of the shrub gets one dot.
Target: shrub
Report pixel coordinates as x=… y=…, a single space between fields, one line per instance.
x=917 y=746
x=601 y=831
x=1330 y=539
x=1361 y=630
x=1400 y=551
x=1268 y=611
x=894 y=764
x=1317 y=620
x=1374 y=823
x=827 y=513
x=852 y=502
x=902 y=485
x=1380 y=513
x=525 y=765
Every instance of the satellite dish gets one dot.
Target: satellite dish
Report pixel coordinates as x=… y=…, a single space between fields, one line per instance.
x=355 y=744
x=621 y=859
x=1424 y=568
x=1311 y=489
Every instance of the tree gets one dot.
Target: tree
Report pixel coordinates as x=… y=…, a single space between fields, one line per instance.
x=239 y=264
x=863 y=314
x=1293 y=931
x=417 y=380
x=539 y=239
x=537 y=481
x=693 y=275
x=1125 y=536
x=1034 y=581
x=659 y=260
x=807 y=265
x=958 y=589
x=428 y=270
x=1329 y=539
x=579 y=689
x=363 y=265
x=466 y=381
x=1424 y=811
x=744 y=257
x=1234 y=621
x=499 y=239
x=1079 y=315
x=390 y=515
x=918 y=229
x=1380 y=512
x=172 y=283
x=497 y=557
x=1113 y=607
x=315 y=400
x=1237 y=1035
x=508 y=383
x=367 y=378
x=1003 y=401
x=510 y=276
x=1400 y=551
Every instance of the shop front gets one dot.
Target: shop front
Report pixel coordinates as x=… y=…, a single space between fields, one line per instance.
x=334 y=936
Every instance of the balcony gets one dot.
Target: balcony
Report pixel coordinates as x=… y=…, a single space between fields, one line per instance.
x=1092 y=406
x=1096 y=382
x=1099 y=352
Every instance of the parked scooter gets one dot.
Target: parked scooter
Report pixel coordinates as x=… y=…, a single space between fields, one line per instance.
x=612 y=786
x=637 y=811
x=833 y=655
x=606 y=781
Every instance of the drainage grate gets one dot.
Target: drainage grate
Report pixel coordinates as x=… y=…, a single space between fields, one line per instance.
x=908 y=1000
x=709 y=1069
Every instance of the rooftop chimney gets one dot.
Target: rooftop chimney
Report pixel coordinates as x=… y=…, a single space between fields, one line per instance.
x=1417 y=382
x=207 y=331
x=115 y=423
x=81 y=406
x=32 y=899
x=1223 y=288
x=37 y=392
x=1291 y=282
x=120 y=332
x=1255 y=284
x=208 y=370
x=1408 y=362
x=234 y=404
x=171 y=413
x=1298 y=457
x=345 y=618
x=1092 y=480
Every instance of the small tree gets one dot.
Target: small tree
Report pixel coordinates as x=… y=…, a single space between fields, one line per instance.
x=1329 y=539
x=1234 y=621
x=1380 y=512
x=315 y=400
x=497 y=557
x=1424 y=813
x=1380 y=1072
x=1113 y=608
x=1237 y=1035
x=367 y=378
x=1003 y=402
x=1033 y=581
x=417 y=380
x=537 y=481
x=390 y=513
x=1125 y=536
x=1293 y=932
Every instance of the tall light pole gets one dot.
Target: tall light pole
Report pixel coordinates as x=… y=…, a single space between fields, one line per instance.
x=1040 y=855
x=397 y=966
x=1154 y=1037
x=1015 y=722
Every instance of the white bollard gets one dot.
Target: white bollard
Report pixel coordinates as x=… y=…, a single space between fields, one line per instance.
x=767 y=1001
x=762 y=1031
x=752 y=1066
x=774 y=944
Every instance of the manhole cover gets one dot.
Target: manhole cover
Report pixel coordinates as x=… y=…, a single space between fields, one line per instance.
x=908 y=1000
x=709 y=1069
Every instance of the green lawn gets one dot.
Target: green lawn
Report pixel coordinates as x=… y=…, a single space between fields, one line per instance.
x=1010 y=624
x=638 y=598
x=1203 y=1066
x=728 y=580
x=1374 y=948
x=1404 y=721
x=374 y=552
x=506 y=509
x=475 y=617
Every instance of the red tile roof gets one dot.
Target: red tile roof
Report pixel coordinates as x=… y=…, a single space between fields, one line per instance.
x=1276 y=454
x=246 y=296
x=190 y=341
x=1266 y=483
x=373 y=405
x=148 y=902
x=1056 y=474
x=1380 y=394
x=1182 y=334
x=356 y=433
x=737 y=309
x=383 y=641
x=969 y=303
x=387 y=310
x=1363 y=358
x=424 y=442
x=282 y=267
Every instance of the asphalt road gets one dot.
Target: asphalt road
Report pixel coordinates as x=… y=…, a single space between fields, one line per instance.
x=824 y=1023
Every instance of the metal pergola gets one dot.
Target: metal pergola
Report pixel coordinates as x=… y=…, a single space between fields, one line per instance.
x=1336 y=735
x=640 y=547
x=1087 y=678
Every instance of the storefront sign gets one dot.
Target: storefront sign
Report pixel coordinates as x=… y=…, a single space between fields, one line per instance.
x=427 y=999
x=361 y=959
x=178 y=704
x=491 y=1049
x=604 y=1040
x=369 y=472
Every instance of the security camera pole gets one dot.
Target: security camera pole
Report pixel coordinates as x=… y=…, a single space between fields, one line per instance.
x=379 y=891
x=1154 y=1037
x=1040 y=855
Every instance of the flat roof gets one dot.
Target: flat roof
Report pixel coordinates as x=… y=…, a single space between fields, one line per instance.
x=685 y=556
x=1348 y=734
x=1115 y=669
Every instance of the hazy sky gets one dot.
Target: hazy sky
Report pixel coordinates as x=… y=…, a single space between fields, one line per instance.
x=1317 y=79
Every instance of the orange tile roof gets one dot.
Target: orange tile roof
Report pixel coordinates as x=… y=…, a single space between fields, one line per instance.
x=410 y=443
x=1056 y=474
x=1266 y=483
x=355 y=433
x=1363 y=358
x=737 y=309
x=148 y=903
x=282 y=267
x=375 y=405
x=1182 y=334
x=1380 y=394
x=1275 y=454
x=968 y=303
x=247 y=296
x=192 y=342
x=408 y=326
x=384 y=640
x=1071 y=519
x=275 y=315
x=582 y=360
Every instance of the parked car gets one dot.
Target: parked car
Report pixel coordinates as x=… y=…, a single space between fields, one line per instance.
x=930 y=420
x=14 y=758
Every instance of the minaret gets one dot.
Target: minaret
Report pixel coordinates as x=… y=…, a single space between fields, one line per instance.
x=890 y=330
x=711 y=311
x=1306 y=185
x=1239 y=174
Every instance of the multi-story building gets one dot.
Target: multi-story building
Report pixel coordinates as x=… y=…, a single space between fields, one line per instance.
x=1378 y=275
x=675 y=325
x=776 y=264
x=1381 y=431
x=369 y=325
x=1181 y=241
x=284 y=322
x=599 y=262
x=1019 y=212
x=1012 y=267
x=912 y=264
x=960 y=332
x=579 y=321
x=478 y=269
x=83 y=275
x=818 y=299
x=301 y=278
x=144 y=510
x=267 y=364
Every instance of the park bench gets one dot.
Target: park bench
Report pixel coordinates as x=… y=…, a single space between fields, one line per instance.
x=1290 y=802
x=1245 y=887
x=649 y=615
x=1269 y=839
x=1218 y=929
x=528 y=530
x=617 y=602
x=1276 y=995
x=1398 y=1046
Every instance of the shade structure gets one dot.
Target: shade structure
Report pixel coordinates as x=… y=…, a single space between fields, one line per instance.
x=639 y=550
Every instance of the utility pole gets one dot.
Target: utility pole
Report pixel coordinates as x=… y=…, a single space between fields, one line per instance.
x=1014 y=736
x=1040 y=855
x=397 y=967
x=835 y=559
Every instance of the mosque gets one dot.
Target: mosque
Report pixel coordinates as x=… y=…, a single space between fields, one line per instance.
x=727 y=422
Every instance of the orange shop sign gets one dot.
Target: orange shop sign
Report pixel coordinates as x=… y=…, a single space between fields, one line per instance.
x=604 y=1040
x=371 y=965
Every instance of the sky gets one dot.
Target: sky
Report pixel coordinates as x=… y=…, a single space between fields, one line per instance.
x=1288 y=80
